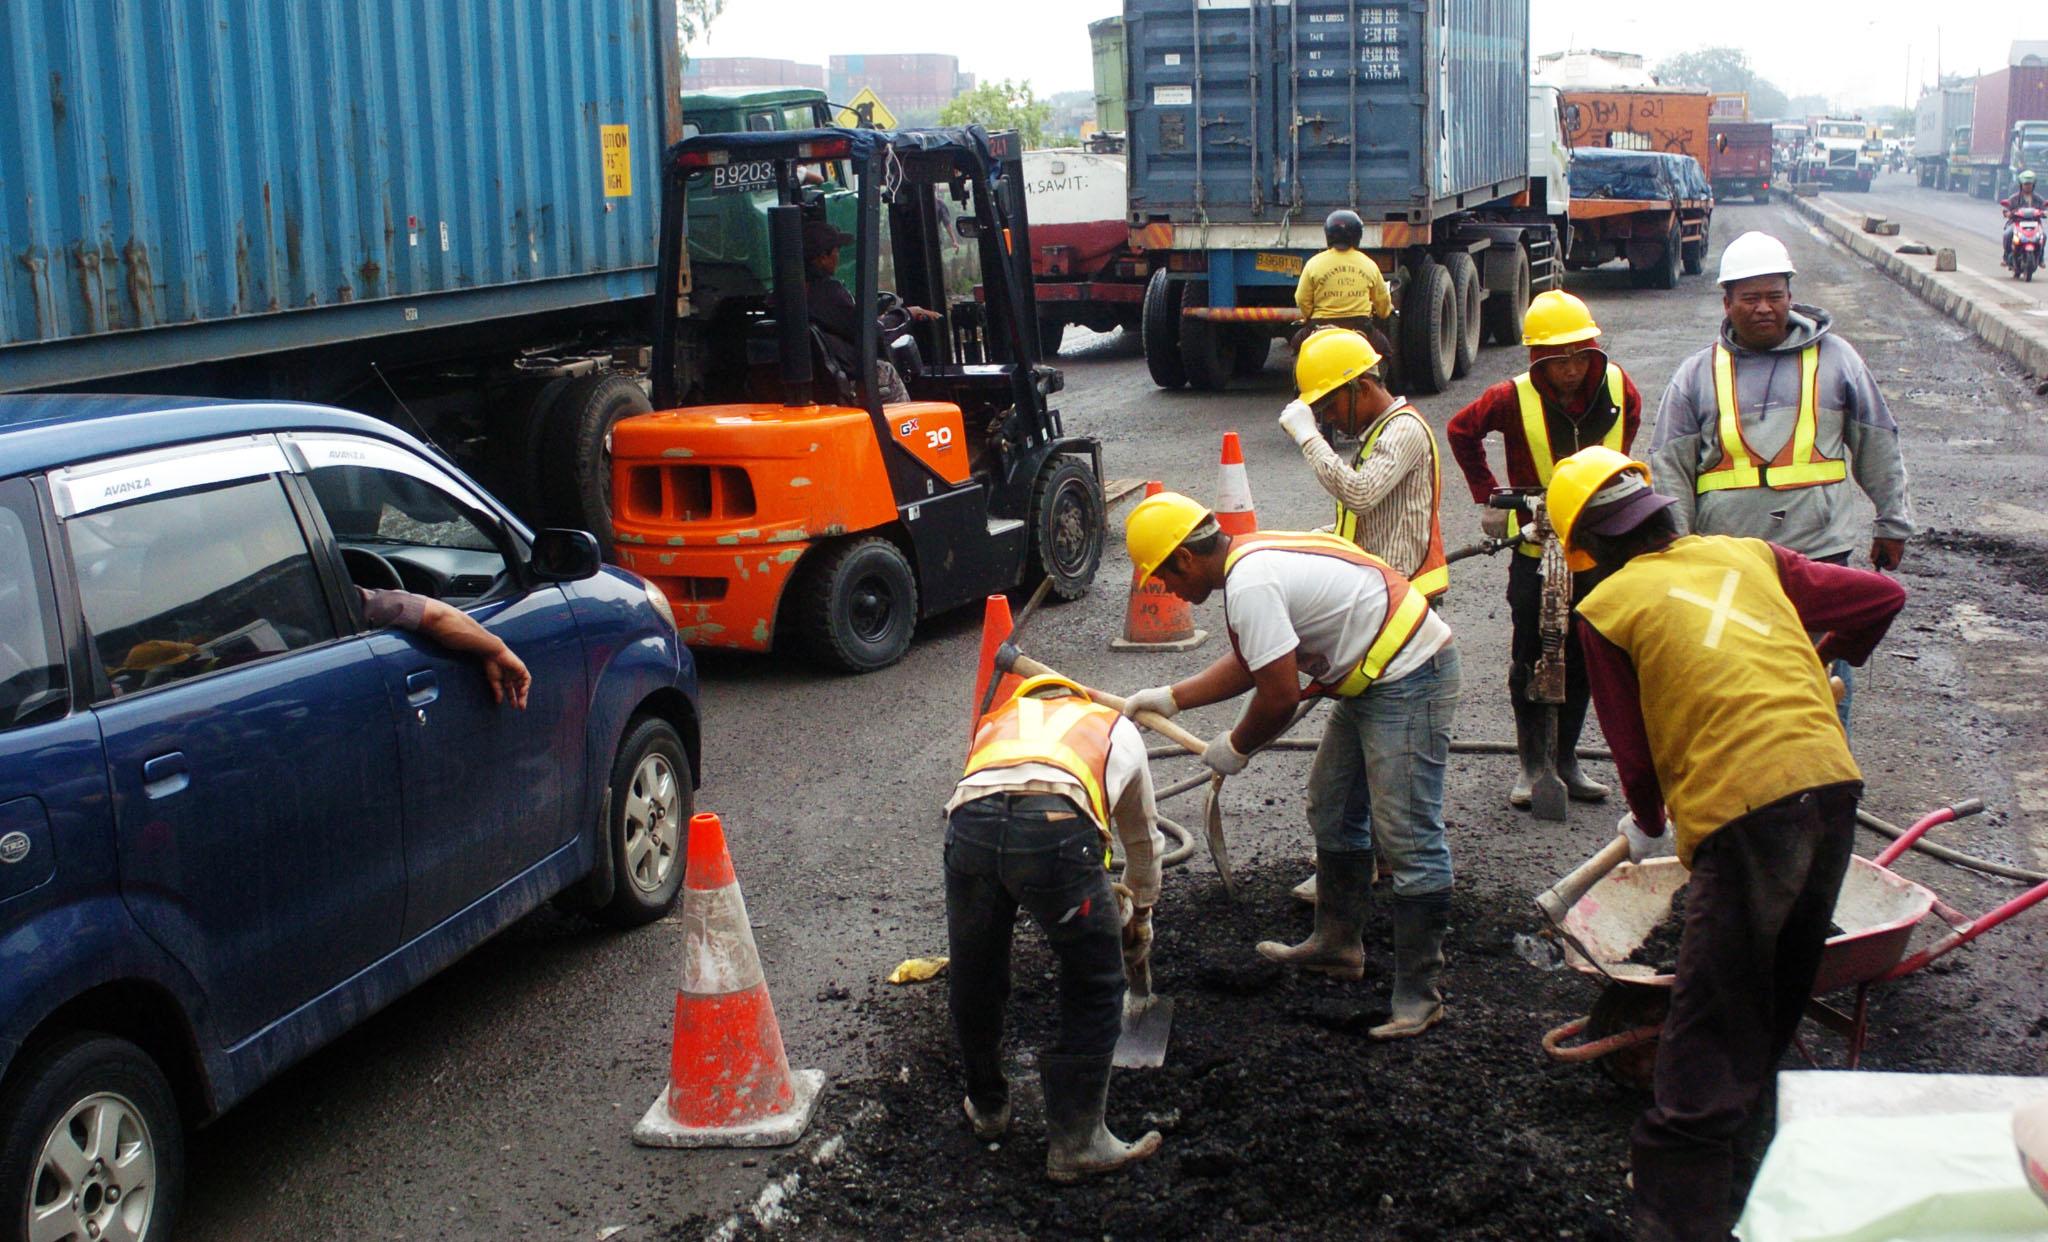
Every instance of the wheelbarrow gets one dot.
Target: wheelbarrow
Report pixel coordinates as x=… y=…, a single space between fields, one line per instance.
x=1877 y=910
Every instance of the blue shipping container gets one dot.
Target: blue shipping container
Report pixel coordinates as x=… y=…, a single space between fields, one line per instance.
x=189 y=180
x=1264 y=111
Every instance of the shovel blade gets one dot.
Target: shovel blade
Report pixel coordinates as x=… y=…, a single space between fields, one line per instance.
x=1219 y=849
x=1142 y=1045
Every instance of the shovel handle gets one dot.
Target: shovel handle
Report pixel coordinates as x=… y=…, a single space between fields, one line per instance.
x=1563 y=895
x=1025 y=666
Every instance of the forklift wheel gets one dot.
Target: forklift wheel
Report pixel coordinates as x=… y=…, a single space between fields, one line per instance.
x=857 y=605
x=1066 y=527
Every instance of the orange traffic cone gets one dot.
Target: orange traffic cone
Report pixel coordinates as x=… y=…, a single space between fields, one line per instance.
x=995 y=631
x=1157 y=619
x=1234 y=512
x=729 y=1081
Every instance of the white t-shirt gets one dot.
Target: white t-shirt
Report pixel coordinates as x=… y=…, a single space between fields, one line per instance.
x=1326 y=611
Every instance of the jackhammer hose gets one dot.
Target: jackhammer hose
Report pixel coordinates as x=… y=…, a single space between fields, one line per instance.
x=1307 y=743
x=1179 y=854
x=1955 y=857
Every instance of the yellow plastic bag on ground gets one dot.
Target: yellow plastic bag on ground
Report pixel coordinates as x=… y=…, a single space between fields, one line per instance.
x=918 y=969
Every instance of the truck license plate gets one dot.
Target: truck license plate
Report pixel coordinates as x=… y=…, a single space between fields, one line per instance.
x=1286 y=263
x=743 y=178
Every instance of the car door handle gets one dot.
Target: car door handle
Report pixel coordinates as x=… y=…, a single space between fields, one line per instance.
x=422 y=688
x=165 y=775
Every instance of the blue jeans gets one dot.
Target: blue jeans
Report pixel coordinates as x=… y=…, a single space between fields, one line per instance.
x=1841 y=669
x=1379 y=774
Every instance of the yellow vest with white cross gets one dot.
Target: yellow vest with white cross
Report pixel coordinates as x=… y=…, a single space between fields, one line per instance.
x=1735 y=701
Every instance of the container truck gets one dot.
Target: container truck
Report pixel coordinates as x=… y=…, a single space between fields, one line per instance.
x=1086 y=272
x=441 y=215
x=1106 y=41
x=1250 y=124
x=1741 y=159
x=1940 y=113
x=2008 y=131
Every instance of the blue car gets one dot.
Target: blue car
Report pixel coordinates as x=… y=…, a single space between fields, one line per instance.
x=236 y=818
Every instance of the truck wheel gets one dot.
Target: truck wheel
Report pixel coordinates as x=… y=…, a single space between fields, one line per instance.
x=1205 y=347
x=1160 y=325
x=1066 y=527
x=857 y=605
x=1695 y=257
x=91 y=1144
x=1052 y=331
x=647 y=823
x=1504 y=308
x=1470 y=297
x=1429 y=328
x=1248 y=358
x=1663 y=274
x=575 y=464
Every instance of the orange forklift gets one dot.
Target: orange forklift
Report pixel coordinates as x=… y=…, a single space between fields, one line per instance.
x=772 y=495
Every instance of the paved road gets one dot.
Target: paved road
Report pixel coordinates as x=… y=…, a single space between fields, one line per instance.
x=496 y=1101
x=1970 y=226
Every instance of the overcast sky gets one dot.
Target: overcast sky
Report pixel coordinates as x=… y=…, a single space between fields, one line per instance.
x=1860 y=53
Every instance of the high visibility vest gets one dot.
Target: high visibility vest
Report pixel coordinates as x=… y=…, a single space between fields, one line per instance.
x=1433 y=576
x=1735 y=701
x=1406 y=608
x=1798 y=464
x=1536 y=434
x=1066 y=732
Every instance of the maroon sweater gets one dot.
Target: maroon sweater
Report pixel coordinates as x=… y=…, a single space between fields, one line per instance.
x=1498 y=409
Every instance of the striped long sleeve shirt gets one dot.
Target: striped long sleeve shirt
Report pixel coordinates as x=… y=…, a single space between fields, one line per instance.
x=1393 y=494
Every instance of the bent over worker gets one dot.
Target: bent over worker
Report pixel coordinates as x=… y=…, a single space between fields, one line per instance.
x=1050 y=772
x=1719 y=713
x=1571 y=397
x=1310 y=604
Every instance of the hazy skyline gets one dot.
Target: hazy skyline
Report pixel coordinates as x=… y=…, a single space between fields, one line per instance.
x=1865 y=55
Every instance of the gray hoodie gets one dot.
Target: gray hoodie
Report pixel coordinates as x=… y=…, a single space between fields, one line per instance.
x=1817 y=521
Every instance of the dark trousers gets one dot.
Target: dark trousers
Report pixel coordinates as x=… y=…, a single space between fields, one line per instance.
x=1525 y=645
x=1761 y=896
x=1039 y=852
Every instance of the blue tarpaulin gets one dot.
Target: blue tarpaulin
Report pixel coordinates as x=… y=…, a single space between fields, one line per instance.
x=1600 y=172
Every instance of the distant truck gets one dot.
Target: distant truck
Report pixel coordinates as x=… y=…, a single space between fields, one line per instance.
x=1940 y=113
x=2008 y=131
x=1654 y=119
x=1086 y=271
x=1652 y=208
x=1741 y=159
x=1836 y=154
x=1250 y=123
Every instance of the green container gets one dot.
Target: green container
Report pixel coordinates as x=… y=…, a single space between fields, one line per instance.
x=1107 y=37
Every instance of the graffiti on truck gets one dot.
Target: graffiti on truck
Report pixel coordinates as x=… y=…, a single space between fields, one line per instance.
x=1628 y=126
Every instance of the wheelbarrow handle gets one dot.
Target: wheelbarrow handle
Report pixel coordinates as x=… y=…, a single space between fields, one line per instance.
x=1553 y=1041
x=1933 y=819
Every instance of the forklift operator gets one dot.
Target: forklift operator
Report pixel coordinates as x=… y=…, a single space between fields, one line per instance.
x=833 y=311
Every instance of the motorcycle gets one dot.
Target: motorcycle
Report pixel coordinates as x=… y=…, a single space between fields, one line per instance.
x=2027 y=239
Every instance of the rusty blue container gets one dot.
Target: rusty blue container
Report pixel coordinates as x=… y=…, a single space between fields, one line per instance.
x=187 y=181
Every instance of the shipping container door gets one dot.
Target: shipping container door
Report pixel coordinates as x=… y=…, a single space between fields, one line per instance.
x=1346 y=147
x=1199 y=108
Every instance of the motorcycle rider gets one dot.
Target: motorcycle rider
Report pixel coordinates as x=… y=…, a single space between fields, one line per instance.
x=2022 y=196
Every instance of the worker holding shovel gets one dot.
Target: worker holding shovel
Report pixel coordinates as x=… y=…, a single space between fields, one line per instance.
x=1049 y=774
x=1311 y=604
x=1719 y=713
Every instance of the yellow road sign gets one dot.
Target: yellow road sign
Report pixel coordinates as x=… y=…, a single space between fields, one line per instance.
x=879 y=115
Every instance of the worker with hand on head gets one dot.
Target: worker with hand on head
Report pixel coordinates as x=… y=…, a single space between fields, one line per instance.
x=1572 y=396
x=1760 y=433
x=1342 y=287
x=1048 y=779
x=1718 y=709
x=2023 y=195
x=1311 y=604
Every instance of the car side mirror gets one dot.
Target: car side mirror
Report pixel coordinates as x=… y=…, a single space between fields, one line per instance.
x=562 y=555
x=967 y=227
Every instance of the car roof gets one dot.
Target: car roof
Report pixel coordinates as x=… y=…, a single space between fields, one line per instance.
x=39 y=432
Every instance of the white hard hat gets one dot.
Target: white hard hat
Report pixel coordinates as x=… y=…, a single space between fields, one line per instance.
x=1755 y=254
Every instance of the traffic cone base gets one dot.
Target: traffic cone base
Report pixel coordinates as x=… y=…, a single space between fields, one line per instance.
x=659 y=1129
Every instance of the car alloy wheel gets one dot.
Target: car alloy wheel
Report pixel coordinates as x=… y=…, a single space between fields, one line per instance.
x=96 y=1175
x=652 y=821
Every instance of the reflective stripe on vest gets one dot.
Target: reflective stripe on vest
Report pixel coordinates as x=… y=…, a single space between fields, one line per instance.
x=1068 y=733
x=1798 y=464
x=1536 y=434
x=1433 y=576
x=1406 y=608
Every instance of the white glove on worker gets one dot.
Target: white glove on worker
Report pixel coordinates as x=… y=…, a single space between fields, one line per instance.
x=1158 y=700
x=1641 y=845
x=1224 y=757
x=1298 y=421
x=1493 y=523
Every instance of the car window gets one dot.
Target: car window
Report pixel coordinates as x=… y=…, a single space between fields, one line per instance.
x=397 y=530
x=760 y=121
x=32 y=684
x=184 y=584
x=799 y=116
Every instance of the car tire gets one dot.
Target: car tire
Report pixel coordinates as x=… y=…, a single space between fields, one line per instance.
x=1429 y=322
x=1505 y=309
x=58 y=1095
x=1470 y=297
x=1066 y=527
x=647 y=823
x=1159 y=323
x=857 y=605
x=575 y=464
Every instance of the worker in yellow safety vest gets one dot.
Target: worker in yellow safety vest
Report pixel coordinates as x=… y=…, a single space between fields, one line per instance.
x=1717 y=706
x=1571 y=397
x=1309 y=604
x=1050 y=776
x=1760 y=433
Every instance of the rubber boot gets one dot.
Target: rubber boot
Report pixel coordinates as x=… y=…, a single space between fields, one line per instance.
x=989 y=1123
x=1571 y=721
x=1419 y=924
x=1528 y=738
x=1337 y=946
x=1078 y=1145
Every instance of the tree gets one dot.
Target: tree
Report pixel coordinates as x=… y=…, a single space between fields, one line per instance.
x=1001 y=105
x=693 y=18
x=1725 y=69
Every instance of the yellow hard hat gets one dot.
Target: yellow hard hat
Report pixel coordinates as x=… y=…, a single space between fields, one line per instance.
x=1573 y=483
x=1558 y=318
x=1157 y=525
x=1331 y=358
x=1032 y=685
